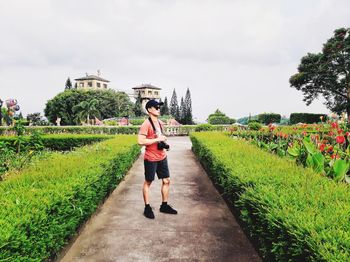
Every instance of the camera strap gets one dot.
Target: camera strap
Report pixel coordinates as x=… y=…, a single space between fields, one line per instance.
x=154 y=128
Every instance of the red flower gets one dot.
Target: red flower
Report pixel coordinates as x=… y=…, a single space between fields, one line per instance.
x=340 y=131
x=335 y=125
x=322 y=146
x=340 y=139
x=330 y=149
x=347 y=133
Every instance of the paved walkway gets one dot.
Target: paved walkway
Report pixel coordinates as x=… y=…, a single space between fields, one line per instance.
x=204 y=228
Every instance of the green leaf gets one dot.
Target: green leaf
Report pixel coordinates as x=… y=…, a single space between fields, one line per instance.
x=318 y=162
x=309 y=161
x=294 y=151
x=340 y=169
x=310 y=147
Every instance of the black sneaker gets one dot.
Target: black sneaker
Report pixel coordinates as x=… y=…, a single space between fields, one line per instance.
x=167 y=209
x=148 y=212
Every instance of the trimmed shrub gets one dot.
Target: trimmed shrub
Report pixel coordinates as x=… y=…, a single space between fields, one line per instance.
x=307 y=118
x=74 y=130
x=204 y=127
x=43 y=205
x=292 y=213
x=253 y=125
x=59 y=142
x=268 y=118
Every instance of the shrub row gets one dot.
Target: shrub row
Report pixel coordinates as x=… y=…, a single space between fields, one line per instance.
x=307 y=118
x=74 y=130
x=267 y=118
x=108 y=130
x=292 y=213
x=60 y=142
x=43 y=205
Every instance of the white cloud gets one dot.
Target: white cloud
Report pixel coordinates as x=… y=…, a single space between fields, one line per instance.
x=234 y=55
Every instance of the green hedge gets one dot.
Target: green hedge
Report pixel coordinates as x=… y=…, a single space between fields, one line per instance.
x=75 y=130
x=292 y=213
x=61 y=142
x=43 y=205
x=267 y=118
x=306 y=118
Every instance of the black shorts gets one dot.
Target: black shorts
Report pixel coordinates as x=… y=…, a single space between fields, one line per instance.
x=159 y=167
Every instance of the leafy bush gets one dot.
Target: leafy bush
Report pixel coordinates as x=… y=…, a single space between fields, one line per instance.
x=306 y=118
x=219 y=118
x=291 y=212
x=54 y=142
x=42 y=206
x=268 y=118
x=204 y=127
x=75 y=130
x=253 y=125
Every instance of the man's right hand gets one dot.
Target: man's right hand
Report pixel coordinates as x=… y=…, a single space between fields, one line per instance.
x=161 y=138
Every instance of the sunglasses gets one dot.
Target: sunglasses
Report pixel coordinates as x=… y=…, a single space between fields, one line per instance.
x=157 y=107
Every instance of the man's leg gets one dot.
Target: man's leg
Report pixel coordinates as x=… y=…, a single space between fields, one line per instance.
x=145 y=190
x=165 y=189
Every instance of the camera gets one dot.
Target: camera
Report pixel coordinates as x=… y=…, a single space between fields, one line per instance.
x=162 y=145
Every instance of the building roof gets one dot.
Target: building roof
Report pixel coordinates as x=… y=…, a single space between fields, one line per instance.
x=91 y=77
x=143 y=86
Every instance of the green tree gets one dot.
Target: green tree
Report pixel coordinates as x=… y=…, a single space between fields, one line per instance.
x=138 y=106
x=327 y=73
x=174 y=106
x=34 y=118
x=111 y=104
x=188 y=119
x=68 y=84
x=86 y=110
x=182 y=111
x=219 y=118
x=165 y=108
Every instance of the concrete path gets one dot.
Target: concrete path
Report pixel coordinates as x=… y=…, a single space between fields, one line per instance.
x=203 y=230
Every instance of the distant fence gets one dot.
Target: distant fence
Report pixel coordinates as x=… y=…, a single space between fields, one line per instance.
x=182 y=130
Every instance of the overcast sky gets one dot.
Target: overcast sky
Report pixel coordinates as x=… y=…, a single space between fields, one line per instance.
x=235 y=55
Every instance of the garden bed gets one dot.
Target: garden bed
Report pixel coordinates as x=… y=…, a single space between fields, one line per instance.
x=44 y=204
x=291 y=212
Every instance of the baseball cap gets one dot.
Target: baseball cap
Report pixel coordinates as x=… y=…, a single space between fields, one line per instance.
x=153 y=103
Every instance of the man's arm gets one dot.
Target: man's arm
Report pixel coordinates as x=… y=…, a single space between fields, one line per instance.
x=143 y=141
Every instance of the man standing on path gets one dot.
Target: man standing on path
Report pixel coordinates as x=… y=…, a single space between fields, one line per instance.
x=155 y=159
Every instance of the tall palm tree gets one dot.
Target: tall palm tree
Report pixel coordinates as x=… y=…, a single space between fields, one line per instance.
x=86 y=109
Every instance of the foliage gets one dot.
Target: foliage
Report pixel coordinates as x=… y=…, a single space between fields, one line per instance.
x=321 y=147
x=164 y=110
x=327 y=73
x=86 y=110
x=111 y=104
x=219 y=118
x=292 y=213
x=306 y=118
x=47 y=202
x=267 y=118
x=174 y=106
x=138 y=106
x=60 y=142
x=204 y=127
x=254 y=125
x=68 y=84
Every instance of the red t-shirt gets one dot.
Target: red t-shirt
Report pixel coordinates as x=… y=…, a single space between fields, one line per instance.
x=152 y=152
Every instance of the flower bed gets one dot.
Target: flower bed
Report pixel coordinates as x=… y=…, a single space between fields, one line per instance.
x=325 y=148
x=44 y=204
x=292 y=213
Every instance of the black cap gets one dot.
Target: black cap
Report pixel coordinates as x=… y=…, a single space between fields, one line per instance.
x=153 y=103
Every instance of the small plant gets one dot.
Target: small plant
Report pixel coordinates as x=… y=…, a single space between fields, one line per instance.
x=204 y=127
